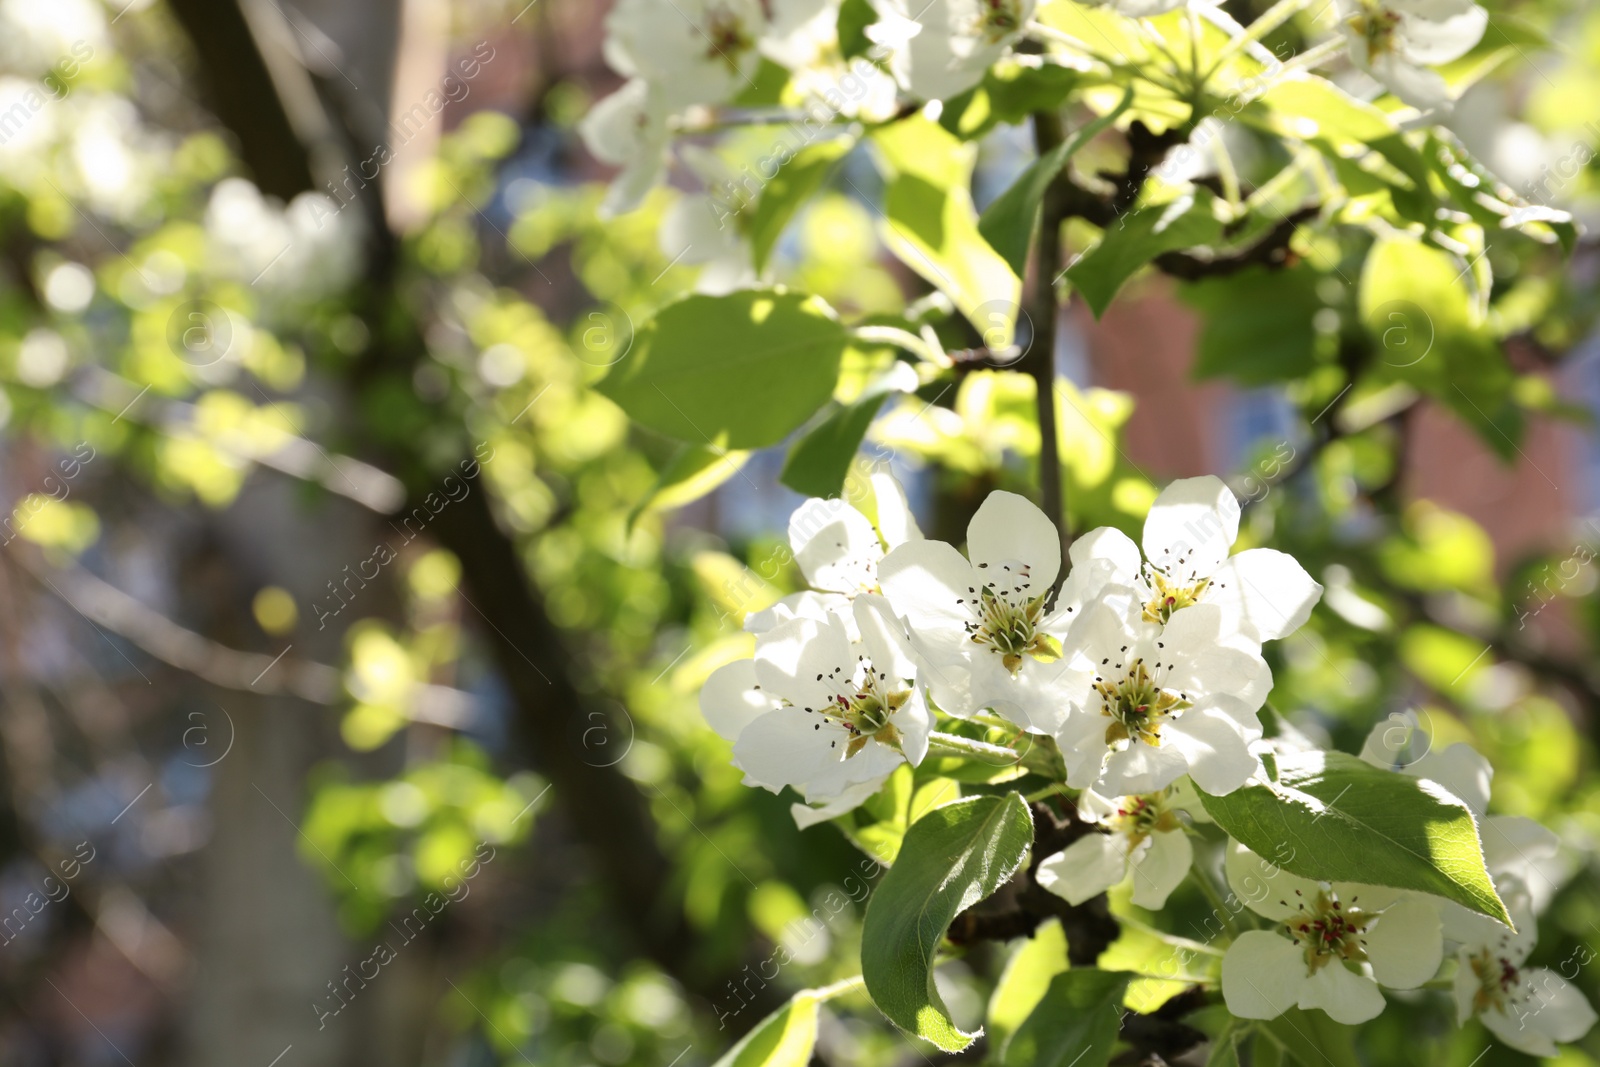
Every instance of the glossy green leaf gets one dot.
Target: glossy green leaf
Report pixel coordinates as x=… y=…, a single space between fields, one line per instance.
x=818 y=463
x=1075 y=1024
x=1009 y=222
x=1009 y=93
x=788 y=190
x=1332 y=817
x=736 y=371
x=951 y=858
x=1258 y=324
x=931 y=226
x=1139 y=237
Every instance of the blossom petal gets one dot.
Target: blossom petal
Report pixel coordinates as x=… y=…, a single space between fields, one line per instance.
x=1418 y=86
x=805 y=816
x=732 y=699
x=1160 y=867
x=1347 y=997
x=1009 y=530
x=1269 y=891
x=896 y=524
x=930 y=585
x=1191 y=528
x=1562 y=1012
x=806 y=663
x=1441 y=40
x=1263 y=593
x=835 y=546
x=1089 y=866
x=1140 y=768
x=803 y=605
x=788 y=747
x=1405 y=945
x=1262 y=975
x=1112 y=545
x=1215 y=749
x=1201 y=666
x=884 y=636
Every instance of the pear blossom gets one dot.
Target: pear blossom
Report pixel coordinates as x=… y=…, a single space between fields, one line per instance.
x=690 y=51
x=1144 y=839
x=804 y=38
x=821 y=709
x=982 y=626
x=628 y=129
x=1152 y=703
x=838 y=550
x=1529 y=1009
x=939 y=48
x=1397 y=40
x=1264 y=594
x=1334 y=945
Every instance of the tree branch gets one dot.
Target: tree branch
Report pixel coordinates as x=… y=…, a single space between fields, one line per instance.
x=1039 y=305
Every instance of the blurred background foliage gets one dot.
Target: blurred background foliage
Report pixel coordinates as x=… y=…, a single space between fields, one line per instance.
x=309 y=610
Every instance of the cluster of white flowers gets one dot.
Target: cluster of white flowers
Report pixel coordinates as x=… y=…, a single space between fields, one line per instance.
x=1338 y=943
x=688 y=54
x=1143 y=669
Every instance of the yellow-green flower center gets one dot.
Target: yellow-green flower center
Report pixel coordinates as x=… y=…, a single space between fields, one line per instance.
x=1376 y=26
x=1328 y=930
x=1011 y=629
x=1497 y=977
x=1137 y=706
x=1140 y=816
x=727 y=37
x=1168 y=597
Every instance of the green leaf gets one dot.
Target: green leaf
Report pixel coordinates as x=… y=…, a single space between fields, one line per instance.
x=1075 y=1025
x=788 y=190
x=818 y=463
x=691 y=473
x=1332 y=817
x=736 y=371
x=952 y=858
x=931 y=226
x=854 y=18
x=786 y=1037
x=1312 y=1039
x=1023 y=982
x=1258 y=324
x=1430 y=334
x=1137 y=238
x=1009 y=222
x=1008 y=94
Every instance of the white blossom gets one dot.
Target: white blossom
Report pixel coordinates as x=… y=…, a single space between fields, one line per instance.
x=1396 y=41
x=1143 y=838
x=984 y=634
x=690 y=51
x=1151 y=702
x=1529 y=1009
x=819 y=710
x=628 y=129
x=1333 y=946
x=1263 y=594
x=939 y=48
x=838 y=551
